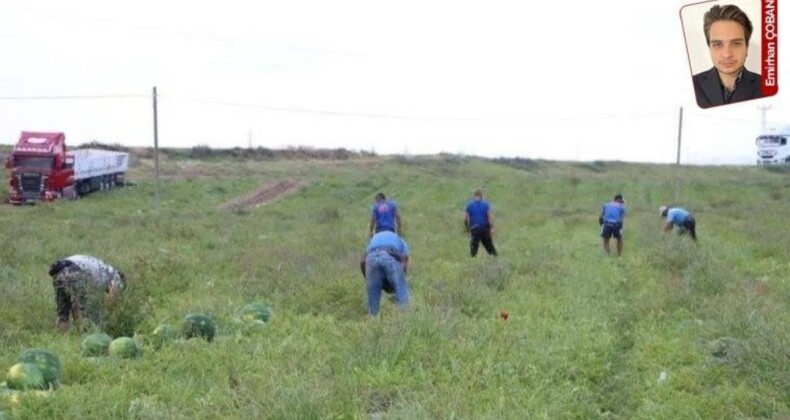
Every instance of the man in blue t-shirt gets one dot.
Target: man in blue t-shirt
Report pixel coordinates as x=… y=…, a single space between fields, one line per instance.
x=611 y=221
x=681 y=218
x=384 y=265
x=384 y=215
x=479 y=222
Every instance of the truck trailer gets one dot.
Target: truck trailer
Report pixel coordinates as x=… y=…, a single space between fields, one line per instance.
x=40 y=168
x=772 y=147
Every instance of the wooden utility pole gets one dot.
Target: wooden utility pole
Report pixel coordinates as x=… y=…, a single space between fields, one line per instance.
x=677 y=159
x=156 y=154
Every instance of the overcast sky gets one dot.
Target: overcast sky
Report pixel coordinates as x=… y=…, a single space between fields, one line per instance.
x=573 y=80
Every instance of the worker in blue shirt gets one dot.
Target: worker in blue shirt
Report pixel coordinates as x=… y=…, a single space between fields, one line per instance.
x=479 y=222
x=681 y=218
x=384 y=215
x=384 y=265
x=611 y=222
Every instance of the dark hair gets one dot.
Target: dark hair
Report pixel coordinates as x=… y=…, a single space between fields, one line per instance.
x=58 y=266
x=727 y=12
x=618 y=197
x=380 y=196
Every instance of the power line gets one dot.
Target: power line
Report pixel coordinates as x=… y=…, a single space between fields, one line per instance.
x=413 y=117
x=738 y=120
x=340 y=113
x=69 y=97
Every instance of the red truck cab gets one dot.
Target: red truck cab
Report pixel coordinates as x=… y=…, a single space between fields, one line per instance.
x=39 y=169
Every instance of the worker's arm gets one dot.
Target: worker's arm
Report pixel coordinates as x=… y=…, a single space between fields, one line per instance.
x=399 y=224
x=667 y=227
x=363 y=266
x=405 y=263
x=466 y=221
x=372 y=225
x=490 y=217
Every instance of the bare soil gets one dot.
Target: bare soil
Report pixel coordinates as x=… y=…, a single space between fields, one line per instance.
x=265 y=194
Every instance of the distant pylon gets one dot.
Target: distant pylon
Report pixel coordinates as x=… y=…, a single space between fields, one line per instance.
x=764 y=110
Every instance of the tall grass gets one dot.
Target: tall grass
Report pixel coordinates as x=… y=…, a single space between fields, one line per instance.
x=672 y=329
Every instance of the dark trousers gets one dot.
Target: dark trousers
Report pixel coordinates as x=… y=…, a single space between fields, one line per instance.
x=689 y=226
x=482 y=234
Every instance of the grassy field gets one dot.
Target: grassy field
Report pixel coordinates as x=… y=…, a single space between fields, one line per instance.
x=670 y=330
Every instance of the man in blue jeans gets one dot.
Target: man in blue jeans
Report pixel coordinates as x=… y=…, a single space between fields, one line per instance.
x=681 y=218
x=385 y=264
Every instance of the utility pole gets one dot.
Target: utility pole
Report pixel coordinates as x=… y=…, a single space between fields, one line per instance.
x=680 y=134
x=677 y=159
x=156 y=155
x=249 y=139
x=764 y=110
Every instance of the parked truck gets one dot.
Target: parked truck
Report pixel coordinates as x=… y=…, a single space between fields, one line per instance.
x=772 y=147
x=40 y=168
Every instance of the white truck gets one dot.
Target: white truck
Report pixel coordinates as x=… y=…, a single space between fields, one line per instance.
x=772 y=147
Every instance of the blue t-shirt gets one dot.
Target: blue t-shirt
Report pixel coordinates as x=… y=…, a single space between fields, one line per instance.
x=677 y=216
x=613 y=212
x=478 y=213
x=387 y=239
x=384 y=213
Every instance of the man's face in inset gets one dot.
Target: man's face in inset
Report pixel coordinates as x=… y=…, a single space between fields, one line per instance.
x=728 y=47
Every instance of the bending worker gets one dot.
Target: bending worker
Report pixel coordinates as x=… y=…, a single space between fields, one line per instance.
x=385 y=264
x=83 y=284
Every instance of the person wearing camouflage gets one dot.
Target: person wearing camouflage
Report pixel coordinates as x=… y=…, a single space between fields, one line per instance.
x=80 y=281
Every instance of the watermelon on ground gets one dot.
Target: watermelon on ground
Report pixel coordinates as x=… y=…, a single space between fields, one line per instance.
x=124 y=347
x=96 y=345
x=199 y=325
x=46 y=361
x=255 y=312
x=24 y=376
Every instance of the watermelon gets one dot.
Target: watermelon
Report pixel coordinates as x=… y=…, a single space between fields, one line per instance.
x=199 y=325
x=24 y=376
x=46 y=361
x=162 y=335
x=255 y=312
x=96 y=345
x=124 y=347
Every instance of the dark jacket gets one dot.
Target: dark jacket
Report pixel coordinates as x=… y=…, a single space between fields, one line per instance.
x=709 y=93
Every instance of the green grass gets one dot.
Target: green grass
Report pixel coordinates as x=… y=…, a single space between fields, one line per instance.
x=589 y=336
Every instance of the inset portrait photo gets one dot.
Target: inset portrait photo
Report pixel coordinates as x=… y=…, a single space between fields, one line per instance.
x=732 y=53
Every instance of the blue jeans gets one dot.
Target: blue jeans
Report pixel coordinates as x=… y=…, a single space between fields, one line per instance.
x=381 y=267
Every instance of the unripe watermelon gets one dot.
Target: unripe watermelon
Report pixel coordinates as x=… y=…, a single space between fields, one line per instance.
x=24 y=376
x=199 y=325
x=96 y=345
x=46 y=361
x=124 y=347
x=255 y=312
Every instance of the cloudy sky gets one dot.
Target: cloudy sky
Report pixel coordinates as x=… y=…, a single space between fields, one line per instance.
x=573 y=80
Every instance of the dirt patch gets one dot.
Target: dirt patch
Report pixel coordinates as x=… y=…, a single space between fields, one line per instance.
x=265 y=194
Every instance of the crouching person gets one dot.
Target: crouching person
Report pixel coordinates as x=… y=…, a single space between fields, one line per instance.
x=83 y=285
x=385 y=264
